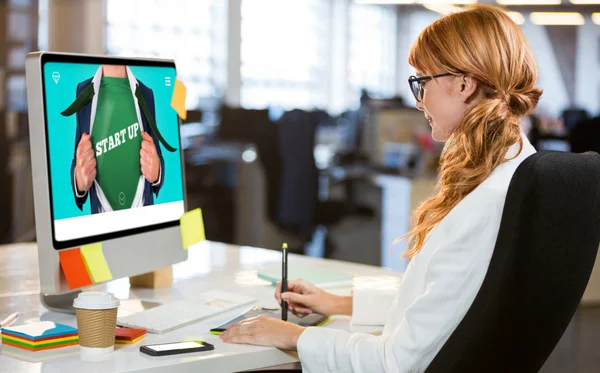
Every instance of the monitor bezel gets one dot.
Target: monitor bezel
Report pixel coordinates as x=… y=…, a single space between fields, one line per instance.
x=100 y=60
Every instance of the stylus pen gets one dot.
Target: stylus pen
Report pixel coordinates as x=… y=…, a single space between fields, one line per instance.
x=284 y=305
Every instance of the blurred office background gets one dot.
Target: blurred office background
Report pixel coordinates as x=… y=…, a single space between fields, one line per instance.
x=301 y=127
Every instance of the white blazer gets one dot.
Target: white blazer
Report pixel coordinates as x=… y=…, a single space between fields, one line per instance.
x=436 y=291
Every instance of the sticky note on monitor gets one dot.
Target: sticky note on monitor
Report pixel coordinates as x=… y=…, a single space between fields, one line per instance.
x=74 y=269
x=192 y=228
x=95 y=262
x=178 y=99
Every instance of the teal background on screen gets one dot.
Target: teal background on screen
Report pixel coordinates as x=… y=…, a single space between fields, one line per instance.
x=61 y=131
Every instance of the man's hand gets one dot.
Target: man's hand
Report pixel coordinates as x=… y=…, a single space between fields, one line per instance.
x=85 y=165
x=149 y=161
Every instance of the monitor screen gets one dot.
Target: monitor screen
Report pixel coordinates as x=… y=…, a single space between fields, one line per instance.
x=113 y=144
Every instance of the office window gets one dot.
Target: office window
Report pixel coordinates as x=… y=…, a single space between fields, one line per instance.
x=192 y=32
x=372 y=51
x=284 y=53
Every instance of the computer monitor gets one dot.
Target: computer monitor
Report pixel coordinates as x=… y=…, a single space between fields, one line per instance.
x=107 y=164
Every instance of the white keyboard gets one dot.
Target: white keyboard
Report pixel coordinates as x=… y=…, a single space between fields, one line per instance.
x=177 y=314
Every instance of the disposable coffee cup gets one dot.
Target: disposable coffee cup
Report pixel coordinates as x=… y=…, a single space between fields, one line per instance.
x=96 y=321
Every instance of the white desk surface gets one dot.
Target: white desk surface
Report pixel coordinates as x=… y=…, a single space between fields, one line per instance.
x=210 y=266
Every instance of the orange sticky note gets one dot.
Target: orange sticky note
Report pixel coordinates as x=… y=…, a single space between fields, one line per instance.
x=192 y=228
x=178 y=99
x=73 y=267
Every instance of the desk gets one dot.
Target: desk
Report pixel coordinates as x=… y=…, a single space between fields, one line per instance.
x=210 y=265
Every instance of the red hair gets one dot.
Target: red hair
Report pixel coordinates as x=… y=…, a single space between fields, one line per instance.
x=485 y=44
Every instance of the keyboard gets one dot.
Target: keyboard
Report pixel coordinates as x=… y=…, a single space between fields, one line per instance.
x=174 y=315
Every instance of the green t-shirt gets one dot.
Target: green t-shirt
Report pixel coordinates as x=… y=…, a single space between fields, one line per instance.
x=117 y=142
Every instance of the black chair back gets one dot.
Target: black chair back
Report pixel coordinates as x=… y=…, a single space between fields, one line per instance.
x=299 y=181
x=542 y=261
x=586 y=136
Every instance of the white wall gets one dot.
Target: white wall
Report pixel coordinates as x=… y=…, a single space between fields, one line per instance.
x=555 y=97
x=409 y=28
x=587 y=71
x=76 y=26
x=338 y=82
x=234 y=53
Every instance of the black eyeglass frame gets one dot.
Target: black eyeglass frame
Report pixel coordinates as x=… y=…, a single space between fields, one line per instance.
x=418 y=79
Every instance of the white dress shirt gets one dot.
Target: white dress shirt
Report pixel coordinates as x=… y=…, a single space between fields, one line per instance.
x=436 y=291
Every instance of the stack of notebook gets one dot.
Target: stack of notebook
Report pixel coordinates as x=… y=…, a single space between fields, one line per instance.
x=40 y=336
x=129 y=335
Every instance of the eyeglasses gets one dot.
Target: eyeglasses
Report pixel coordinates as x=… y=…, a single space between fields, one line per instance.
x=416 y=84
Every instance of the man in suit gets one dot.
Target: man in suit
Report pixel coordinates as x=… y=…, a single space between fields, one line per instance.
x=117 y=159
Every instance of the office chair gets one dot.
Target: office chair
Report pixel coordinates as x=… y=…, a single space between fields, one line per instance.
x=299 y=210
x=350 y=154
x=542 y=261
x=239 y=124
x=572 y=116
x=193 y=116
x=585 y=136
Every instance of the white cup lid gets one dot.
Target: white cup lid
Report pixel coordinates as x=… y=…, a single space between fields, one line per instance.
x=96 y=300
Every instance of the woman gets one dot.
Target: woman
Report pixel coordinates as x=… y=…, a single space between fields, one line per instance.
x=476 y=78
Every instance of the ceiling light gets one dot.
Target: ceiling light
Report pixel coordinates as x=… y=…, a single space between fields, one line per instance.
x=443 y=8
x=516 y=17
x=585 y=2
x=529 y=2
x=447 y=2
x=384 y=2
x=596 y=18
x=556 y=18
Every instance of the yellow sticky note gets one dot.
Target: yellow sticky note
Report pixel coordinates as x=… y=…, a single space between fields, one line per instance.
x=178 y=99
x=192 y=228
x=95 y=262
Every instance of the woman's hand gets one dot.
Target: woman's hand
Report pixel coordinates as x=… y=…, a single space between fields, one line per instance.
x=264 y=331
x=305 y=298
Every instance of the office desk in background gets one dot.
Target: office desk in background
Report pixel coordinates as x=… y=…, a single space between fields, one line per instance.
x=210 y=266
x=397 y=196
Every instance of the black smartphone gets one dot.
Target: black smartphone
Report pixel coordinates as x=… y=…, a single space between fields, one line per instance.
x=176 y=348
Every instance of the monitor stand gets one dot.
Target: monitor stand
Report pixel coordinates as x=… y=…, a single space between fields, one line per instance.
x=62 y=303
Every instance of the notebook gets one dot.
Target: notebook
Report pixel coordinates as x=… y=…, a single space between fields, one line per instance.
x=323 y=278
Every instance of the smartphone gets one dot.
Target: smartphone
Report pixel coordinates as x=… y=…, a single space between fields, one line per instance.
x=176 y=348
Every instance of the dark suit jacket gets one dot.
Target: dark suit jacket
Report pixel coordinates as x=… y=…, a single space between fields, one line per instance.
x=83 y=126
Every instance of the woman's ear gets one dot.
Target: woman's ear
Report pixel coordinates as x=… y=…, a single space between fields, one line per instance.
x=468 y=87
